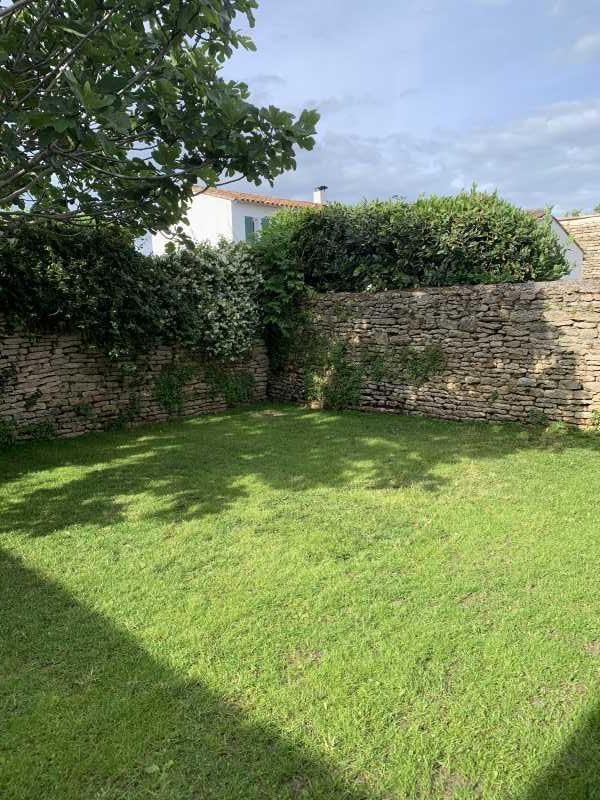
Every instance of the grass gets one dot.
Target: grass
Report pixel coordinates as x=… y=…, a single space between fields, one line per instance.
x=277 y=603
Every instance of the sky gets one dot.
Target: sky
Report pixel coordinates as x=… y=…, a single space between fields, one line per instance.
x=430 y=96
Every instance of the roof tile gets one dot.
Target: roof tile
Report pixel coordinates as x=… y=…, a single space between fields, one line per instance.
x=248 y=197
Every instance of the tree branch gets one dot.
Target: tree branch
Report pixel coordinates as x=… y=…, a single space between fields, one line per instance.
x=13 y=175
x=50 y=80
x=4 y=201
x=16 y=7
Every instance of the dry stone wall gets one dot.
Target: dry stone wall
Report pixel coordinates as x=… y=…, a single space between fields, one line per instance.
x=511 y=352
x=586 y=232
x=55 y=384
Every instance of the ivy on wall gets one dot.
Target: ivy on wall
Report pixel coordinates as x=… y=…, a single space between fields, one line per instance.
x=334 y=376
x=8 y=375
x=235 y=386
x=8 y=432
x=405 y=365
x=169 y=387
x=333 y=380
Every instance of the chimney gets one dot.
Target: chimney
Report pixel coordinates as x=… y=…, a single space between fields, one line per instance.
x=319 y=195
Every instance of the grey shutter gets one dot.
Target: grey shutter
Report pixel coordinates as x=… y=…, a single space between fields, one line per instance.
x=249 y=223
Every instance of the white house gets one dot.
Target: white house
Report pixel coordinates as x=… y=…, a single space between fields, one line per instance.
x=222 y=214
x=573 y=250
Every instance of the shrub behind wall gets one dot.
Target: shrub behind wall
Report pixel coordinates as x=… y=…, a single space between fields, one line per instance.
x=469 y=238
x=92 y=281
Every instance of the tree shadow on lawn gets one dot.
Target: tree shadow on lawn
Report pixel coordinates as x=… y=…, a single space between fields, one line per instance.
x=188 y=469
x=574 y=774
x=87 y=713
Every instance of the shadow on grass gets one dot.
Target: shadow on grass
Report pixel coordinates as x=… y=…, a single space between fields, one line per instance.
x=190 y=469
x=575 y=772
x=86 y=713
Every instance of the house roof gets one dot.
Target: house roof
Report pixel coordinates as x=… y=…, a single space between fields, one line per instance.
x=248 y=197
x=538 y=213
x=580 y=216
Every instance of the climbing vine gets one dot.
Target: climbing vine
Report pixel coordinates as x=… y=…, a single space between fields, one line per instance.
x=235 y=386
x=332 y=378
x=8 y=432
x=45 y=429
x=421 y=365
x=405 y=365
x=169 y=386
x=334 y=375
x=32 y=399
x=8 y=374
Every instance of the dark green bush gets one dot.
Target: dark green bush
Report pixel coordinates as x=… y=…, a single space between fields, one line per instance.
x=54 y=278
x=469 y=238
x=92 y=280
x=211 y=299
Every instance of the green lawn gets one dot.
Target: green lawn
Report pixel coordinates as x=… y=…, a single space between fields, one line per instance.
x=278 y=603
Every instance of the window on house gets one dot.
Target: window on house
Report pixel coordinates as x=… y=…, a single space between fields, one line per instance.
x=249 y=223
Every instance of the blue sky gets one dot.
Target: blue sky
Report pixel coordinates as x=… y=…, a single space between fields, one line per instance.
x=422 y=96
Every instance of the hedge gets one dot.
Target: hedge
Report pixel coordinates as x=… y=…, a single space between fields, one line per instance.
x=54 y=278
x=469 y=238
x=216 y=300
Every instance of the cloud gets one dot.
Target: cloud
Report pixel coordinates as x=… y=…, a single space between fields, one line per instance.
x=267 y=79
x=337 y=104
x=550 y=157
x=264 y=86
x=581 y=10
x=587 y=47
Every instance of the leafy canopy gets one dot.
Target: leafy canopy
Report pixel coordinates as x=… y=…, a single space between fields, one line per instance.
x=115 y=109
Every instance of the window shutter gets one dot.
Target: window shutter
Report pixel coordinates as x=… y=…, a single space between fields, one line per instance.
x=249 y=222
x=265 y=221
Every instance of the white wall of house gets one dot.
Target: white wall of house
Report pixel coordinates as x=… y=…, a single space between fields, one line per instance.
x=145 y=244
x=212 y=218
x=257 y=212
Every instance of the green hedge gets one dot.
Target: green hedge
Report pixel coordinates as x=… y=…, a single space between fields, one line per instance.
x=469 y=238
x=92 y=280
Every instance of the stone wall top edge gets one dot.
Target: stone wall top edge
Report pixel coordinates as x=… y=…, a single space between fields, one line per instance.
x=541 y=287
